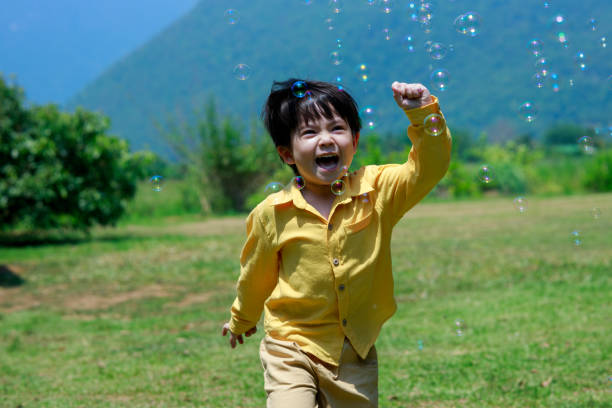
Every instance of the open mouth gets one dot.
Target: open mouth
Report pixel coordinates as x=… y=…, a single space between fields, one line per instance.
x=328 y=161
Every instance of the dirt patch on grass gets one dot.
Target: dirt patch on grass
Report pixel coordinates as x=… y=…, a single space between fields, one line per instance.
x=97 y=302
x=191 y=299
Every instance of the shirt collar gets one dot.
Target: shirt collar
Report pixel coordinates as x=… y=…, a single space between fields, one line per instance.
x=355 y=185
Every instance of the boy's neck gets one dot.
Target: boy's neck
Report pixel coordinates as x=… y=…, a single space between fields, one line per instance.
x=321 y=198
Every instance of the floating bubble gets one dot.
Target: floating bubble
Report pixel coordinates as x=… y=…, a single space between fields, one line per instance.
x=242 y=72
x=434 y=124
x=336 y=6
x=338 y=43
x=273 y=187
x=329 y=23
x=459 y=327
x=562 y=38
x=586 y=144
x=363 y=72
x=345 y=171
x=369 y=118
x=231 y=16
x=439 y=79
x=386 y=34
x=336 y=57
x=299 y=89
x=570 y=82
x=365 y=198
x=338 y=187
x=307 y=2
x=468 y=24
x=420 y=344
x=539 y=78
x=338 y=81
x=541 y=63
x=437 y=51
x=156 y=182
x=371 y=2
x=593 y=24
x=535 y=46
x=603 y=42
x=528 y=111
x=520 y=203
x=425 y=26
x=425 y=12
x=299 y=182
x=547 y=4
x=559 y=19
x=485 y=174
x=596 y=213
x=408 y=43
x=581 y=60
x=555 y=82
x=576 y=239
x=387 y=6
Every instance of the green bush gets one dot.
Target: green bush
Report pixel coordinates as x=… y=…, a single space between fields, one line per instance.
x=60 y=170
x=598 y=173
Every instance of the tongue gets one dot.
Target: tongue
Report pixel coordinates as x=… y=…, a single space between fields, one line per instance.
x=327 y=164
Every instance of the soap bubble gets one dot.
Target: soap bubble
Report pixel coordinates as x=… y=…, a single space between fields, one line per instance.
x=459 y=327
x=468 y=24
x=386 y=34
x=434 y=124
x=408 y=43
x=299 y=182
x=231 y=16
x=581 y=60
x=365 y=198
x=528 y=111
x=242 y=72
x=536 y=47
x=593 y=24
x=387 y=6
x=437 y=51
x=520 y=203
x=369 y=117
x=555 y=82
x=329 y=22
x=596 y=213
x=299 y=89
x=576 y=239
x=539 y=78
x=603 y=42
x=336 y=6
x=338 y=187
x=363 y=72
x=336 y=57
x=439 y=79
x=273 y=187
x=156 y=182
x=425 y=12
x=420 y=344
x=562 y=38
x=541 y=63
x=547 y=4
x=586 y=144
x=485 y=174
x=371 y=2
x=338 y=43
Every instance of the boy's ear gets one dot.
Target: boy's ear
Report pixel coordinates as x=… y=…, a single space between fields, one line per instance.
x=285 y=154
x=355 y=141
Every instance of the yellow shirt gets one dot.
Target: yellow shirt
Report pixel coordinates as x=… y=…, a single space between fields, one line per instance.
x=323 y=280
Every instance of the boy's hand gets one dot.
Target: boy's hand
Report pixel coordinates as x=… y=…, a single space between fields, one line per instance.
x=233 y=337
x=410 y=96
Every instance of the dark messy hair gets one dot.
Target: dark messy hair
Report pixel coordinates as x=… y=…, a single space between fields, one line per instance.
x=284 y=111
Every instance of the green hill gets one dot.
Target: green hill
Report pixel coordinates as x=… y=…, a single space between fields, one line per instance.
x=490 y=74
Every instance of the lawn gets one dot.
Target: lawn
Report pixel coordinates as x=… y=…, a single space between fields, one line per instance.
x=497 y=308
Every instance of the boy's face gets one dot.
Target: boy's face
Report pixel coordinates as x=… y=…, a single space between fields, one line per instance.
x=320 y=149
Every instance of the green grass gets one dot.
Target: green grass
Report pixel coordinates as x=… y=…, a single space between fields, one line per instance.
x=132 y=317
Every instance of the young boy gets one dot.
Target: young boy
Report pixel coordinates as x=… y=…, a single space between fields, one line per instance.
x=318 y=259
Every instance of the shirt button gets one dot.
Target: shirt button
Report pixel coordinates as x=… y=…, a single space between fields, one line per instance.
x=344 y=322
x=329 y=227
x=341 y=287
x=336 y=262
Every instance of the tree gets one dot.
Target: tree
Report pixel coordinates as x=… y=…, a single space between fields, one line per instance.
x=225 y=165
x=60 y=170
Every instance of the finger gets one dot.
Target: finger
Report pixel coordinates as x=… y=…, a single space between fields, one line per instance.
x=224 y=331
x=251 y=331
x=240 y=340
x=233 y=341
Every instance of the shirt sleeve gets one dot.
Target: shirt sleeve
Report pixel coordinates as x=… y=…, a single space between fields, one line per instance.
x=258 y=275
x=401 y=186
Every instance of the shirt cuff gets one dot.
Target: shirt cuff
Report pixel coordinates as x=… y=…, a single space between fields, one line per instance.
x=418 y=115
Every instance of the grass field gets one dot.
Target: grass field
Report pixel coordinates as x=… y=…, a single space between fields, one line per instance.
x=132 y=317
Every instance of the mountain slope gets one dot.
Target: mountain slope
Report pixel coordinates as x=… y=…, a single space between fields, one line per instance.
x=491 y=73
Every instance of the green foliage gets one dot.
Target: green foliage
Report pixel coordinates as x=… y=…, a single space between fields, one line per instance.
x=598 y=175
x=565 y=134
x=225 y=165
x=61 y=170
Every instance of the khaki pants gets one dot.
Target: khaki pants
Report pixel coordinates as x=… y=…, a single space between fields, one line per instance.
x=295 y=379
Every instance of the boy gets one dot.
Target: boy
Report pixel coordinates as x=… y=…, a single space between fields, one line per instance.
x=318 y=260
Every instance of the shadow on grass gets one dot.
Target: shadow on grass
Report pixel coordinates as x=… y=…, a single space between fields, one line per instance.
x=9 y=278
x=34 y=239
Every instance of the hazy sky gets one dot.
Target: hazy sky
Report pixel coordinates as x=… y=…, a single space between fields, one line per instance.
x=54 y=47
